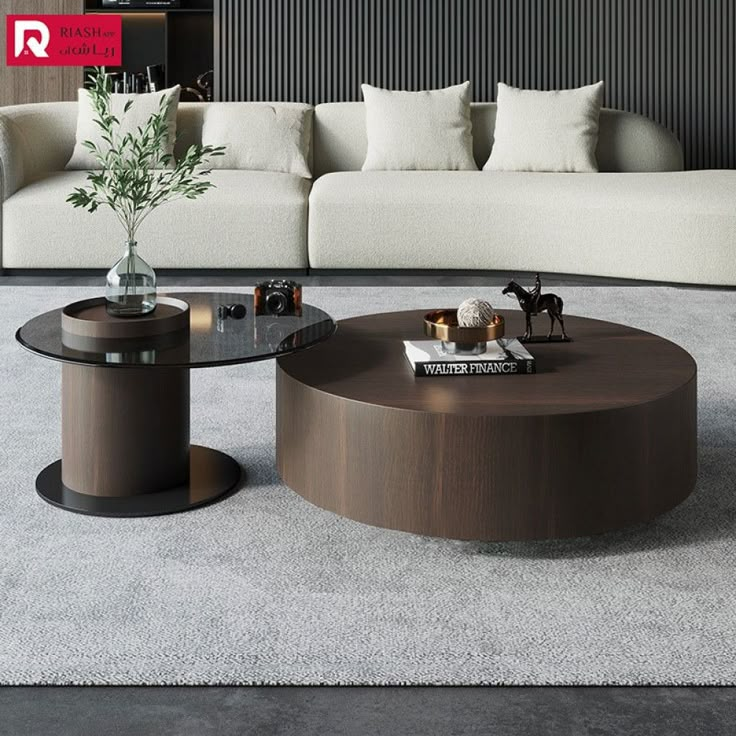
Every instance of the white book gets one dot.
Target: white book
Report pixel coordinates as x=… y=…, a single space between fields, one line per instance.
x=506 y=356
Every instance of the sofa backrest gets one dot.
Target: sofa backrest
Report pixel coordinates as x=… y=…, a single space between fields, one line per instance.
x=56 y=122
x=626 y=142
x=39 y=138
x=42 y=136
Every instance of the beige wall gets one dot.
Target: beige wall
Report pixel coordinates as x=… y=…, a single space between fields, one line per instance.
x=36 y=84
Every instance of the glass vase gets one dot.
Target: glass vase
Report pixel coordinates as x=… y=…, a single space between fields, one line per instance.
x=131 y=285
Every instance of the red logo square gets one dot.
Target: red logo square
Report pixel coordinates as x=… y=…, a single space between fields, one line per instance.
x=64 y=40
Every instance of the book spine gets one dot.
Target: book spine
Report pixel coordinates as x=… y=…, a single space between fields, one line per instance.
x=475 y=368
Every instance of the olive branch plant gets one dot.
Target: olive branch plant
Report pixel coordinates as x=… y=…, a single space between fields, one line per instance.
x=137 y=175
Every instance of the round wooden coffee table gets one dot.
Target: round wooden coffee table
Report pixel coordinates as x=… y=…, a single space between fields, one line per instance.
x=603 y=436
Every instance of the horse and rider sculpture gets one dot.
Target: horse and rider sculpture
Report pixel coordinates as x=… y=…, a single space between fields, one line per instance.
x=533 y=303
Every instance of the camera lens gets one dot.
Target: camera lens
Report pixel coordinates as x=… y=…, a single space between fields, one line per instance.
x=237 y=311
x=276 y=302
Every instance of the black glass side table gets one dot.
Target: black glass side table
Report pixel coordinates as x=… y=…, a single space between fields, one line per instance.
x=125 y=412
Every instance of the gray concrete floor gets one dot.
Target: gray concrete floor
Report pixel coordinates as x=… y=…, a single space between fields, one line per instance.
x=534 y=711
x=296 y=711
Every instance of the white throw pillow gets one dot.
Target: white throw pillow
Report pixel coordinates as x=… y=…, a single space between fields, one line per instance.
x=546 y=131
x=428 y=130
x=259 y=136
x=144 y=106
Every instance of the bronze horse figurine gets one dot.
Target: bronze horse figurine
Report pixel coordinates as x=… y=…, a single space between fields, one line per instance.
x=533 y=303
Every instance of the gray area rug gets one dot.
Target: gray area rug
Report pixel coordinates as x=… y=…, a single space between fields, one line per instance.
x=265 y=588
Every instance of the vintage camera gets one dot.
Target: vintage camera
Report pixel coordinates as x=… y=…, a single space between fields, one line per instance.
x=278 y=298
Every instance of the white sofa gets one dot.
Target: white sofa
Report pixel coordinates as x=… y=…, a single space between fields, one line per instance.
x=251 y=219
x=642 y=217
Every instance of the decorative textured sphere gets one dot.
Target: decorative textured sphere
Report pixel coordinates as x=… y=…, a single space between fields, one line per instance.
x=475 y=313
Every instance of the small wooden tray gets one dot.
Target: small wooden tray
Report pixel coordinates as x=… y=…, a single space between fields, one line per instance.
x=86 y=325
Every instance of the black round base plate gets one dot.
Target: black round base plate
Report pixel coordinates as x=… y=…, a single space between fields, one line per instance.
x=212 y=474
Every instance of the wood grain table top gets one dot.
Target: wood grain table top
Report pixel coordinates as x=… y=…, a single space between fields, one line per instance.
x=606 y=366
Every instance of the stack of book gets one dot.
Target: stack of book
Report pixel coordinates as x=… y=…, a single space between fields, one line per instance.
x=506 y=356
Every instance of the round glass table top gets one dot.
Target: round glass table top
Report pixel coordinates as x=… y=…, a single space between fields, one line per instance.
x=210 y=341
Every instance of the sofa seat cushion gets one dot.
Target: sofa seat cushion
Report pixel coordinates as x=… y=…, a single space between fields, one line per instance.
x=250 y=219
x=678 y=226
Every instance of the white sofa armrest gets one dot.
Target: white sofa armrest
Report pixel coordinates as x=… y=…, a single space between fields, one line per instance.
x=35 y=139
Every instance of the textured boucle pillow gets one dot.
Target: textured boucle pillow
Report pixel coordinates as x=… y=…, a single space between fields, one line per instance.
x=546 y=131
x=143 y=107
x=427 y=130
x=260 y=136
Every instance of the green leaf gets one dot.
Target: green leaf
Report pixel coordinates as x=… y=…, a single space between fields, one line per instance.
x=137 y=173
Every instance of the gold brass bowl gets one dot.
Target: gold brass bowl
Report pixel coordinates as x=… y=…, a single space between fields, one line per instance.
x=442 y=325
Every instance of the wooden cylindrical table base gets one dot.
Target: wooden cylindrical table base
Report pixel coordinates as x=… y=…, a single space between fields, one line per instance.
x=124 y=431
x=125 y=445
x=492 y=478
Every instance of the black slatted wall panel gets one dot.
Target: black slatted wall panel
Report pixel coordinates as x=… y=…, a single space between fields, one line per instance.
x=672 y=60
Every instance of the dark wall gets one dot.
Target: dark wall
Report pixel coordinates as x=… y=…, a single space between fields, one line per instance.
x=672 y=60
